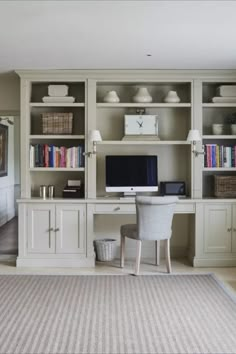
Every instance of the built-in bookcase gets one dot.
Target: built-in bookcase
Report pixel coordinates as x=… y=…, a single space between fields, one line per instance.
x=37 y=144
x=216 y=113
x=174 y=122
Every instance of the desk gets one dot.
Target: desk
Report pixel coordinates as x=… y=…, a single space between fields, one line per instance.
x=108 y=206
x=211 y=233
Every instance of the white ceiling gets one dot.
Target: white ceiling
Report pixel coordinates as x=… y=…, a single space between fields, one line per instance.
x=117 y=35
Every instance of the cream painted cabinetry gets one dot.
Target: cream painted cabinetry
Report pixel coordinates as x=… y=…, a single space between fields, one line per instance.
x=216 y=236
x=174 y=122
x=58 y=232
x=218 y=228
x=52 y=133
x=41 y=236
x=56 y=228
x=219 y=139
x=52 y=234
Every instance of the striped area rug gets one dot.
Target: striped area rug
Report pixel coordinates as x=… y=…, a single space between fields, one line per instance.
x=115 y=314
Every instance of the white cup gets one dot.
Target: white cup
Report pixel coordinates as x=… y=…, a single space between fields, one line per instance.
x=233 y=129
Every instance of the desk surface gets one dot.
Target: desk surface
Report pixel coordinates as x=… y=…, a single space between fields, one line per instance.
x=110 y=200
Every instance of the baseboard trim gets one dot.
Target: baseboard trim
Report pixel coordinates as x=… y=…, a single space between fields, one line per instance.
x=59 y=262
x=203 y=262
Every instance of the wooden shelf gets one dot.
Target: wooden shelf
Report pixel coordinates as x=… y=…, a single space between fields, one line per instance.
x=38 y=104
x=56 y=169
x=136 y=105
x=214 y=137
x=32 y=137
x=213 y=105
x=143 y=142
x=219 y=169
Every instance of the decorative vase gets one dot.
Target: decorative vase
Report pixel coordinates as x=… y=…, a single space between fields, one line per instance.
x=142 y=96
x=217 y=129
x=172 y=97
x=111 y=97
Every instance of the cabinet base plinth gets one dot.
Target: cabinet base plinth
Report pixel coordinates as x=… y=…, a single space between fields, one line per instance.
x=60 y=262
x=208 y=262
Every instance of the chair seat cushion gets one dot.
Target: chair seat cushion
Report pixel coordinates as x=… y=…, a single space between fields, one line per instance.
x=129 y=230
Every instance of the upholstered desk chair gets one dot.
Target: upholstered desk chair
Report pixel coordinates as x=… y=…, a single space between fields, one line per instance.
x=154 y=223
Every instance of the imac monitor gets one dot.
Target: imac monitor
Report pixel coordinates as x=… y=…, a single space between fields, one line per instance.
x=131 y=174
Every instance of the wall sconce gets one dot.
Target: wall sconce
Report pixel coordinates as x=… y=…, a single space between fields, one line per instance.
x=193 y=137
x=94 y=136
x=7 y=119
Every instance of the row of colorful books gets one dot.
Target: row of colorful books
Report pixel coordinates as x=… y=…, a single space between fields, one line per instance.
x=48 y=155
x=219 y=155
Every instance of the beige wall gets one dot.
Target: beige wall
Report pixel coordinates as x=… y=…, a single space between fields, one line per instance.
x=9 y=94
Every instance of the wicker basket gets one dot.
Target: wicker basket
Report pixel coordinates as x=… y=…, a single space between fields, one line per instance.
x=57 y=123
x=105 y=249
x=225 y=186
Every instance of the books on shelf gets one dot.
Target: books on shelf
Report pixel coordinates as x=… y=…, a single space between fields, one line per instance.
x=49 y=155
x=220 y=156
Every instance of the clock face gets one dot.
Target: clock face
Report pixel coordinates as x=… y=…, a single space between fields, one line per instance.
x=141 y=125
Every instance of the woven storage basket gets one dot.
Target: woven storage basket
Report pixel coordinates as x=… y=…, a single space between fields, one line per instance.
x=105 y=249
x=225 y=186
x=57 y=123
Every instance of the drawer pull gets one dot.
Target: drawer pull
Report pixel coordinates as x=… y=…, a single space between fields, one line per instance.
x=234 y=229
x=229 y=229
x=57 y=229
x=51 y=229
x=117 y=209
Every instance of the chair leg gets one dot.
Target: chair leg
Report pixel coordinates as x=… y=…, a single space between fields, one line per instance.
x=138 y=256
x=167 y=249
x=157 y=252
x=122 y=251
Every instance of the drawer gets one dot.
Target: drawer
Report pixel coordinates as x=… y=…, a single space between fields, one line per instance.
x=185 y=208
x=115 y=209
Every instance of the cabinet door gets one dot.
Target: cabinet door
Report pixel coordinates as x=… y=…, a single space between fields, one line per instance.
x=70 y=229
x=41 y=222
x=217 y=228
x=234 y=229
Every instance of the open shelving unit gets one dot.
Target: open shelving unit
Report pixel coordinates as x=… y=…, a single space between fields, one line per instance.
x=33 y=136
x=174 y=122
x=215 y=113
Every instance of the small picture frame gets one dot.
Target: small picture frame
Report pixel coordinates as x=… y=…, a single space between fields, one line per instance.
x=3 y=150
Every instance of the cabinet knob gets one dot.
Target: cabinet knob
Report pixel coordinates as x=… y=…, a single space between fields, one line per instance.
x=51 y=229
x=234 y=230
x=57 y=229
x=117 y=209
x=229 y=229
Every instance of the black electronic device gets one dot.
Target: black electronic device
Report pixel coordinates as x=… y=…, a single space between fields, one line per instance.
x=173 y=188
x=136 y=173
x=73 y=191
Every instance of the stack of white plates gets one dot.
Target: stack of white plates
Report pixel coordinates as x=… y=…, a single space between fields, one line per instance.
x=58 y=94
x=59 y=99
x=224 y=99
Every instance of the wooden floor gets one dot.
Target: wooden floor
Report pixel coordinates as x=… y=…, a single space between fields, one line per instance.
x=9 y=246
x=8 y=238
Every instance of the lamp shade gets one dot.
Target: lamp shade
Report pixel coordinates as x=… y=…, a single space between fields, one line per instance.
x=194 y=135
x=94 y=135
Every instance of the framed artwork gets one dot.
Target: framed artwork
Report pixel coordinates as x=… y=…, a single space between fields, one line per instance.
x=3 y=149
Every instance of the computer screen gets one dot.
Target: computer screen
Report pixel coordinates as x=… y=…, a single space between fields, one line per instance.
x=136 y=173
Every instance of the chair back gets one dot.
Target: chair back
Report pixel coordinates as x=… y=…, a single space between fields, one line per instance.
x=154 y=217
